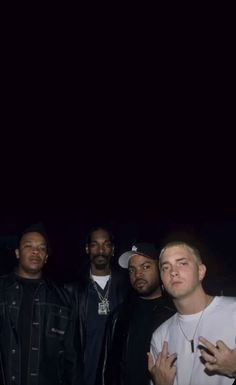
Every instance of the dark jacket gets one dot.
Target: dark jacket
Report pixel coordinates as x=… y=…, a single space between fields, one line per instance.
x=79 y=291
x=113 y=360
x=54 y=356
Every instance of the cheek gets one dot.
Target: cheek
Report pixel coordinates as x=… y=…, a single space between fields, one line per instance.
x=131 y=278
x=163 y=276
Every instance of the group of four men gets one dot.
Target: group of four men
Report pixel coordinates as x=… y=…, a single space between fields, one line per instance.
x=98 y=330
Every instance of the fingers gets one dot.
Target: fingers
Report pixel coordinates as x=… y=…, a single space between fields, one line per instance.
x=207 y=343
x=210 y=367
x=164 y=352
x=172 y=358
x=166 y=357
x=208 y=357
x=212 y=349
x=151 y=361
x=221 y=345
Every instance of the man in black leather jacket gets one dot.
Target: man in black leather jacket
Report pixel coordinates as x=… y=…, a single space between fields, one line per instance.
x=37 y=322
x=130 y=326
x=100 y=289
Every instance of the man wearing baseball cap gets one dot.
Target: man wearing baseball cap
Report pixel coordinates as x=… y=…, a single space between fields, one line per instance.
x=130 y=327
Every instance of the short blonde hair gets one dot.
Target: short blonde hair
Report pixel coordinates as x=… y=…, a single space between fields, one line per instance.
x=193 y=250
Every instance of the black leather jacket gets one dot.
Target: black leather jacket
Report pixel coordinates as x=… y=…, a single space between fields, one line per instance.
x=79 y=292
x=54 y=356
x=113 y=359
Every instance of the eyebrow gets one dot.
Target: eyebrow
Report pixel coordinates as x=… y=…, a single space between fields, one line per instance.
x=177 y=260
x=31 y=241
x=144 y=263
x=97 y=241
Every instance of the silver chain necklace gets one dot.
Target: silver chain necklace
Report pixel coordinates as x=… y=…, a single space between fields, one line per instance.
x=191 y=340
x=103 y=305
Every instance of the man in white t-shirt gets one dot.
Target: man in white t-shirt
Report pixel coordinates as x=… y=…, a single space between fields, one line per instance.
x=197 y=346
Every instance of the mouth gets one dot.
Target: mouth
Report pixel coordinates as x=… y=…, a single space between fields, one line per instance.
x=176 y=283
x=35 y=260
x=100 y=258
x=140 y=283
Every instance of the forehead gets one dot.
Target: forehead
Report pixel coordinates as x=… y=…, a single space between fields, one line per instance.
x=33 y=237
x=139 y=259
x=172 y=252
x=100 y=234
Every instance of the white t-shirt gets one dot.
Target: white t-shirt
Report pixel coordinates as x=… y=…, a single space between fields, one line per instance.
x=217 y=323
x=101 y=280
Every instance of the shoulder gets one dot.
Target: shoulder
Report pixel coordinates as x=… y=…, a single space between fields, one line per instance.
x=58 y=293
x=7 y=280
x=119 y=275
x=122 y=313
x=3 y=278
x=223 y=302
x=227 y=303
x=120 y=280
x=165 y=326
x=71 y=287
x=227 y=300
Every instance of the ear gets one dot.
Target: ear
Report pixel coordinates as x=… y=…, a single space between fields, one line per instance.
x=201 y=271
x=113 y=250
x=17 y=253
x=86 y=248
x=46 y=259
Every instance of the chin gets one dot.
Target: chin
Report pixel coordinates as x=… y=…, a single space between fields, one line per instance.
x=144 y=293
x=101 y=266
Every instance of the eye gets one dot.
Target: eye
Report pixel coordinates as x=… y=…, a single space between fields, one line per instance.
x=183 y=263
x=164 y=268
x=131 y=270
x=108 y=245
x=43 y=248
x=146 y=267
x=27 y=246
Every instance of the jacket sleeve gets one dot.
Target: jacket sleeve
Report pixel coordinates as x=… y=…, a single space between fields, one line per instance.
x=73 y=352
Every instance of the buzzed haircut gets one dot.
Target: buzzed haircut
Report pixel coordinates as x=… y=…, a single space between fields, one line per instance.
x=97 y=228
x=36 y=228
x=190 y=247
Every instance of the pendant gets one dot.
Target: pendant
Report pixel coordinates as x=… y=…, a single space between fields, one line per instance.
x=103 y=307
x=192 y=345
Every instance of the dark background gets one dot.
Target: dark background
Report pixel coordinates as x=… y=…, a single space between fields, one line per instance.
x=140 y=138
x=215 y=238
x=147 y=186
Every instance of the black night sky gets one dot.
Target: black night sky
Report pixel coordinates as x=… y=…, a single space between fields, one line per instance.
x=143 y=190
x=215 y=236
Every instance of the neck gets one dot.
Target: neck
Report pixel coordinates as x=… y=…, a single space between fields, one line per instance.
x=100 y=272
x=155 y=295
x=192 y=304
x=23 y=274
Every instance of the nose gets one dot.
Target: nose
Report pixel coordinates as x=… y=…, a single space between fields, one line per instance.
x=101 y=249
x=174 y=271
x=139 y=273
x=35 y=250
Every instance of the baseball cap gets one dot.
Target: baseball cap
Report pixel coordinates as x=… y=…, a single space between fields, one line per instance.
x=146 y=249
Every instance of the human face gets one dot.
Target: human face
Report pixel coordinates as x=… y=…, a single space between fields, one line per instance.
x=144 y=276
x=32 y=255
x=181 y=274
x=100 y=249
